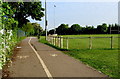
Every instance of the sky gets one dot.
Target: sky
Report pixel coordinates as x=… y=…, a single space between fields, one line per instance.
x=80 y=12
x=119 y=13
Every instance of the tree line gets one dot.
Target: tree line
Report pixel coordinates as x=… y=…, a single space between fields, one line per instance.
x=32 y=29
x=75 y=29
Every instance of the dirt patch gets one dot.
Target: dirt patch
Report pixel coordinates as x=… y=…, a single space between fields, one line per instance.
x=5 y=72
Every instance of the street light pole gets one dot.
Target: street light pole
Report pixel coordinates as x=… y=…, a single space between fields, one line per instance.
x=45 y=21
x=54 y=20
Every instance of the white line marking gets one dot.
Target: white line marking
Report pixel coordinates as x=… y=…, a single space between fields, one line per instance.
x=54 y=55
x=19 y=47
x=41 y=61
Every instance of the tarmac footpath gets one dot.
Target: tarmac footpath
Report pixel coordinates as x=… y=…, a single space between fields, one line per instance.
x=26 y=63
x=35 y=59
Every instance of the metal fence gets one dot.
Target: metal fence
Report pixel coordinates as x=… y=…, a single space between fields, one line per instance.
x=84 y=42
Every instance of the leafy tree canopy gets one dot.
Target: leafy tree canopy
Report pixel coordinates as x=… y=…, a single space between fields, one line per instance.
x=51 y=31
x=102 y=28
x=6 y=16
x=75 y=29
x=37 y=29
x=32 y=29
x=62 y=29
x=26 y=9
x=28 y=27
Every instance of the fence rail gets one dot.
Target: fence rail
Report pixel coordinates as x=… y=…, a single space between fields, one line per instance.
x=64 y=42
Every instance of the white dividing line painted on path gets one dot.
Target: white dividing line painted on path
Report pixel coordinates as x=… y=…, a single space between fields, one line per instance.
x=41 y=61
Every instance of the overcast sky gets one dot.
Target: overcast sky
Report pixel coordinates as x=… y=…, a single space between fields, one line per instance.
x=82 y=12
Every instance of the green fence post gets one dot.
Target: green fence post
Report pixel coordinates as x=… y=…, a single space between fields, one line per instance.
x=111 y=42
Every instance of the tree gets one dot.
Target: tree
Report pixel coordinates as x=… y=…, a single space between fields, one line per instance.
x=89 y=30
x=102 y=28
x=62 y=29
x=37 y=29
x=76 y=29
x=26 y=9
x=6 y=16
x=28 y=28
x=51 y=31
x=115 y=28
x=32 y=29
x=109 y=27
x=44 y=33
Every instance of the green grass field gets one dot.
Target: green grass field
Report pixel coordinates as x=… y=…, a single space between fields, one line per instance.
x=97 y=43
x=101 y=57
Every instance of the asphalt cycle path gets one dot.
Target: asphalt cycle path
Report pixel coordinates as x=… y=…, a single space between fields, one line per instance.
x=35 y=59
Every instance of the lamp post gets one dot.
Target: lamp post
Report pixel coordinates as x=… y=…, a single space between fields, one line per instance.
x=54 y=20
x=45 y=21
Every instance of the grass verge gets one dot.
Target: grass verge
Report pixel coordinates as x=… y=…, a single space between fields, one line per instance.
x=104 y=60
